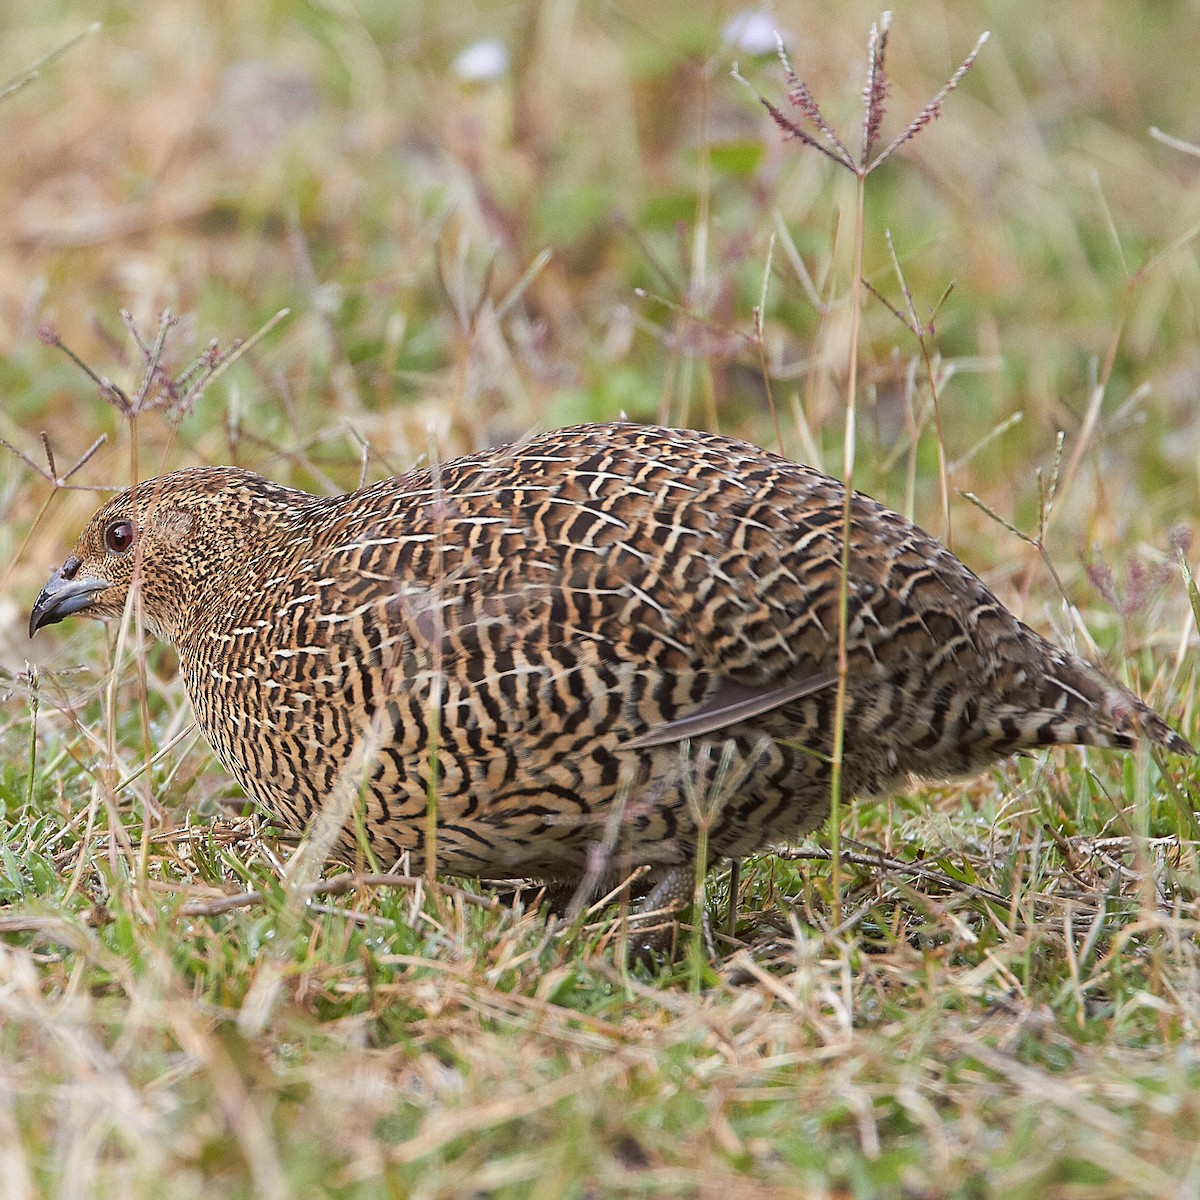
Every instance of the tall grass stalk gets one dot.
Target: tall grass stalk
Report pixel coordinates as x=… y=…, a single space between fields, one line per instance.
x=811 y=129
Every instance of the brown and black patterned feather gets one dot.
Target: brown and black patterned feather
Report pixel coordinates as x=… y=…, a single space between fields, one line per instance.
x=578 y=639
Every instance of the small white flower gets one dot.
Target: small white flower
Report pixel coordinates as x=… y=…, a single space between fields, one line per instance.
x=751 y=31
x=482 y=62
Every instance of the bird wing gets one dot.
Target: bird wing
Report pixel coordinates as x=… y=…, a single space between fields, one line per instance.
x=729 y=704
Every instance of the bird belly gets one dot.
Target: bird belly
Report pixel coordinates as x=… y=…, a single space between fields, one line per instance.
x=529 y=775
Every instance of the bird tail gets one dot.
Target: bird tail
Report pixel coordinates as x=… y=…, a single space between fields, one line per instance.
x=1083 y=707
x=1132 y=717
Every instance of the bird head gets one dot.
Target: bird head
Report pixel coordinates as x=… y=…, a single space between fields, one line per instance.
x=169 y=537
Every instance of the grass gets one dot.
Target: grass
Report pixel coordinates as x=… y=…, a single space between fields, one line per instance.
x=997 y=993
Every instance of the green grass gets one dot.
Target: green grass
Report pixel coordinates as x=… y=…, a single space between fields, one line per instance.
x=998 y=991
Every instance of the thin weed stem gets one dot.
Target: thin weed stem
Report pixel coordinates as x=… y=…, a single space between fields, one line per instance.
x=824 y=137
x=760 y=346
x=836 y=781
x=35 y=69
x=923 y=332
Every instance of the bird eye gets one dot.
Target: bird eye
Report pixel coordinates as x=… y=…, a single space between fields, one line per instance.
x=118 y=537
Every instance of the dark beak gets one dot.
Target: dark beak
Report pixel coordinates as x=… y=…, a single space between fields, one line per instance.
x=66 y=592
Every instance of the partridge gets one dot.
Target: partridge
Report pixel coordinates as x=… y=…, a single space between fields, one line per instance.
x=568 y=654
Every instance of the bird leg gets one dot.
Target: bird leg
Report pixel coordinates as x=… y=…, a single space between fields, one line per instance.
x=654 y=926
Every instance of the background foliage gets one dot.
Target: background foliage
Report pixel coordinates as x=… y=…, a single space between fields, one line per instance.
x=1011 y=1003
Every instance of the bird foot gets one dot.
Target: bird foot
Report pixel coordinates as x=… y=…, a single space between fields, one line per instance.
x=654 y=927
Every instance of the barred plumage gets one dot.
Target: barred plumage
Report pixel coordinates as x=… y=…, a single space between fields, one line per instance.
x=577 y=640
